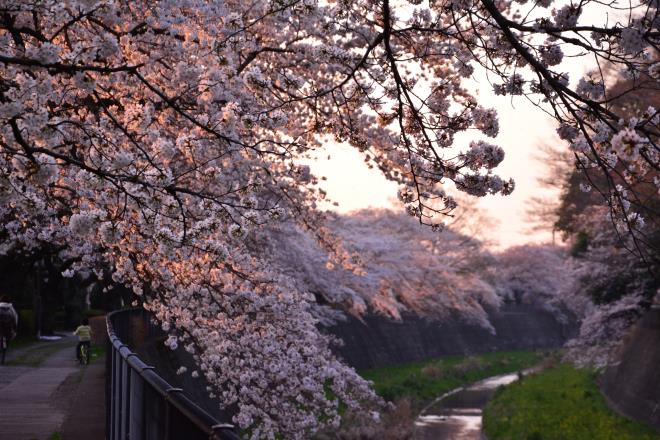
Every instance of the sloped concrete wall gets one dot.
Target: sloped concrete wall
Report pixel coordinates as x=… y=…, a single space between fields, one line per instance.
x=377 y=341
x=632 y=387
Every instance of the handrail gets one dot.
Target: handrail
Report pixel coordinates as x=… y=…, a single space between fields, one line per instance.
x=126 y=412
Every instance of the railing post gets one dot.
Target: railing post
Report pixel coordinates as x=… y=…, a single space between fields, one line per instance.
x=111 y=393
x=135 y=426
x=116 y=403
x=168 y=417
x=107 y=385
x=125 y=398
x=223 y=431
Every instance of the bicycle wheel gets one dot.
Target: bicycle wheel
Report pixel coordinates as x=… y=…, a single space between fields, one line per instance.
x=84 y=355
x=3 y=349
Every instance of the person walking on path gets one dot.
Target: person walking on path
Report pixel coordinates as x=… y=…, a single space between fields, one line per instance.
x=84 y=333
x=8 y=325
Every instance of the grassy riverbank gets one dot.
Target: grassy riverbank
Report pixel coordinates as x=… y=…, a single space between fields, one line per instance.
x=558 y=403
x=424 y=381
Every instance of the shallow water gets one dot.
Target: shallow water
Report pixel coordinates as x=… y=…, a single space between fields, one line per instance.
x=457 y=415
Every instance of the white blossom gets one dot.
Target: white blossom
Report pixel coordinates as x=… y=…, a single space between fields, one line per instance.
x=627 y=143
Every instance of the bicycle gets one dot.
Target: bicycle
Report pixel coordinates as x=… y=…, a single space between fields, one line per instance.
x=84 y=354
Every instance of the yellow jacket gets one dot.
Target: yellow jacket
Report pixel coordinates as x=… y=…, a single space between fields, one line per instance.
x=84 y=333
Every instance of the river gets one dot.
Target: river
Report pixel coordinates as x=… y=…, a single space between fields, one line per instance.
x=457 y=414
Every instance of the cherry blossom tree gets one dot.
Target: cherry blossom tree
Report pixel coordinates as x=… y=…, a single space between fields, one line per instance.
x=613 y=277
x=619 y=285
x=615 y=273
x=148 y=140
x=401 y=269
x=539 y=275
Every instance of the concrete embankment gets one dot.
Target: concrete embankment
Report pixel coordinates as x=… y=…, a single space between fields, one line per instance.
x=632 y=386
x=376 y=341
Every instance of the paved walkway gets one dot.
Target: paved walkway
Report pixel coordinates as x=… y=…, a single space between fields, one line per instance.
x=86 y=416
x=41 y=386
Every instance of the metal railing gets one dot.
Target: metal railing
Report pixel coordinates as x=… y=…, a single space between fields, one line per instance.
x=141 y=405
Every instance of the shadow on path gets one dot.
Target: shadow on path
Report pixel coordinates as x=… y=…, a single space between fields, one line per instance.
x=86 y=416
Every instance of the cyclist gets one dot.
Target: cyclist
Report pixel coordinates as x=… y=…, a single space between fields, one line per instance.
x=84 y=333
x=8 y=325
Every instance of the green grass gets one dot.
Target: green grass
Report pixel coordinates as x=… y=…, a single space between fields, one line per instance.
x=23 y=341
x=54 y=436
x=424 y=381
x=36 y=355
x=563 y=403
x=97 y=352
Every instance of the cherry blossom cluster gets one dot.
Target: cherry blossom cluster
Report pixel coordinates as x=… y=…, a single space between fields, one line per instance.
x=540 y=275
x=402 y=268
x=628 y=152
x=483 y=155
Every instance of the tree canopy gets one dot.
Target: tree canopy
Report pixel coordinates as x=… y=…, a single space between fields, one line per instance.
x=147 y=140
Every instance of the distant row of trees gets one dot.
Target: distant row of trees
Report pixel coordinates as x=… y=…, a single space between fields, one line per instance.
x=600 y=285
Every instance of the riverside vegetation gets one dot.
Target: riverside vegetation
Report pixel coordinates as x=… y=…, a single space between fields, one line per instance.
x=558 y=403
x=409 y=387
x=421 y=382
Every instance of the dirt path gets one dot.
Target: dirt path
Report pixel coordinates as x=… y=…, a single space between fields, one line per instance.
x=41 y=387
